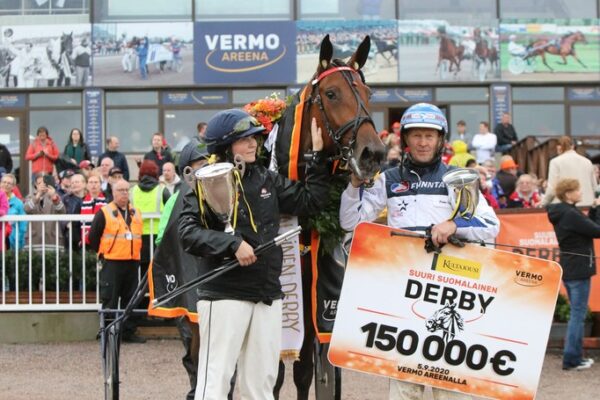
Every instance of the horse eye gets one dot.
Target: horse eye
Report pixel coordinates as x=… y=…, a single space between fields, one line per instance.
x=330 y=95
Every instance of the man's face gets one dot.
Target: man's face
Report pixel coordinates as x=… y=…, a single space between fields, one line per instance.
x=112 y=179
x=65 y=183
x=121 y=193
x=94 y=185
x=482 y=128
x=114 y=144
x=168 y=172
x=423 y=144
x=7 y=185
x=506 y=118
x=77 y=184
x=461 y=128
x=105 y=166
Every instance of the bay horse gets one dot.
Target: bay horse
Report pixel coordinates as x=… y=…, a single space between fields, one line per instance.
x=482 y=54
x=563 y=47
x=447 y=320
x=338 y=98
x=451 y=52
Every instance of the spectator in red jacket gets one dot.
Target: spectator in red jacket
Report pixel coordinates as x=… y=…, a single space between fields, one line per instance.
x=525 y=194
x=42 y=152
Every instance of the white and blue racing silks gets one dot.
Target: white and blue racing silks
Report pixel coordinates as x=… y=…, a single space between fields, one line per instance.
x=414 y=200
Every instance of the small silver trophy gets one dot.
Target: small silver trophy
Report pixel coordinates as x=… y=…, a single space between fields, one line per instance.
x=218 y=190
x=463 y=189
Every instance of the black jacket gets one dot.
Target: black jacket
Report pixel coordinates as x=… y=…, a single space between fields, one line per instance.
x=268 y=195
x=5 y=159
x=165 y=157
x=575 y=233
x=119 y=160
x=505 y=134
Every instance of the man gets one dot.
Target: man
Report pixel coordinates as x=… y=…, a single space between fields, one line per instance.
x=106 y=164
x=169 y=178
x=82 y=55
x=73 y=201
x=570 y=164
x=86 y=167
x=505 y=134
x=526 y=193
x=424 y=131
x=241 y=310
x=64 y=183
x=6 y=161
x=201 y=128
x=159 y=154
x=116 y=235
x=505 y=181
x=115 y=174
x=484 y=143
x=119 y=159
x=461 y=132
x=44 y=201
x=16 y=239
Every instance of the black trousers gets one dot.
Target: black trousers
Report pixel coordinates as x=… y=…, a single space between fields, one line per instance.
x=118 y=281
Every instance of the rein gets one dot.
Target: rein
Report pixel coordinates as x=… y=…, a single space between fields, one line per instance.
x=343 y=153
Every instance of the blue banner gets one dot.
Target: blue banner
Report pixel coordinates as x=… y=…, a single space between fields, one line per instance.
x=244 y=52
x=191 y=97
x=583 y=93
x=12 y=101
x=501 y=102
x=93 y=120
x=395 y=95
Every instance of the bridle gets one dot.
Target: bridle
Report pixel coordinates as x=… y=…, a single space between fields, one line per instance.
x=343 y=153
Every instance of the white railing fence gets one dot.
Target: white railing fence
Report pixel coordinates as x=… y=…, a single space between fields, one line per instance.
x=57 y=276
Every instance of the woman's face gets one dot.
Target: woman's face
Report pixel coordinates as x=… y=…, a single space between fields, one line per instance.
x=76 y=136
x=246 y=147
x=42 y=134
x=574 y=196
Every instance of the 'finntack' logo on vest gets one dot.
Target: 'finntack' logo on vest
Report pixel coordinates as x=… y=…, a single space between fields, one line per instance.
x=427 y=185
x=239 y=52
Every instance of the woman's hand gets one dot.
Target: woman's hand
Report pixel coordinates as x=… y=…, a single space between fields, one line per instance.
x=245 y=254
x=317 y=139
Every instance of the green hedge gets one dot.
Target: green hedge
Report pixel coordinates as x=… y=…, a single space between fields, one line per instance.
x=36 y=270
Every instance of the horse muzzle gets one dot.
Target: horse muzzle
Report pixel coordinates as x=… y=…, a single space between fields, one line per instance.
x=368 y=161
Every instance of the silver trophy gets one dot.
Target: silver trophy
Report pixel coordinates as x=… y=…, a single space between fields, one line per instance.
x=218 y=190
x=463 y=189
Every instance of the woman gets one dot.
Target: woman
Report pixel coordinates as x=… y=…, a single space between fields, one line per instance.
x=575 y=233
x=241 y=310
x=76 y=150
x=92 y=202
x=42 y=153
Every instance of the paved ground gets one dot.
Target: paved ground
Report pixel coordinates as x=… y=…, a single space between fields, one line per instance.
x=153 y=371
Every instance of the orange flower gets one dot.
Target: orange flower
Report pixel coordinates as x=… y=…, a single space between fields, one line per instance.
x=267 y=111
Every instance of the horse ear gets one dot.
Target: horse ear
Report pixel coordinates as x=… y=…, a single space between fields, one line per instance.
x=325 y=54
x=360 y=56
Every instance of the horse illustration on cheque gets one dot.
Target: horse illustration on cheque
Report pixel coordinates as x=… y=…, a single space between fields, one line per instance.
x=447 y=320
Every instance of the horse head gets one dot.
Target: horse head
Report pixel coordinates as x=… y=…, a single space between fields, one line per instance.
x=339 y=100
x=447 y=320
x=579 y=37
x=66 y=43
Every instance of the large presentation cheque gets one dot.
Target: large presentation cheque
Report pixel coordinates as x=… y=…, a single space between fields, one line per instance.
x=473 y=319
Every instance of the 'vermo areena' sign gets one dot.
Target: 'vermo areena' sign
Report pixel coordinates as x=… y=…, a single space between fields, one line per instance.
x=245 y=52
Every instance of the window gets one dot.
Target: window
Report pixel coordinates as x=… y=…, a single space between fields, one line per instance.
x=465 y=12
x=142 y=10
x=552 y=123
x=134 y=128
x=68 y=99
x=462 y=94
x=471 y=114
x=224 y=10
x=44 y=7
x=180 y=125
x=548 y=9
x=246 y=96
x=538 y=93
x=131 y=98
x=350 y=9
x=585 y=120
x=58 y=122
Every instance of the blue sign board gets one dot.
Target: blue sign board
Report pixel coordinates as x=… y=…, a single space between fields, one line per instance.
x=191 y=97
x=583 y=93
x=395 y=95
x=501 y=102
x=244 y=52
x=12 y=100
x=93 y=120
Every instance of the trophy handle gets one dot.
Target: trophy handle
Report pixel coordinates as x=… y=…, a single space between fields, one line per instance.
x=240 y=164
x=188 y=177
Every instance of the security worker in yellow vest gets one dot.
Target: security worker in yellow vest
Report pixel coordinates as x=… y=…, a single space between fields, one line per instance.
x=116 y=235
x=149 y=196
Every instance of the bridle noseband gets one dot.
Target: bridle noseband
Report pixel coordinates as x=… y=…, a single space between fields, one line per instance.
x=342 y=152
